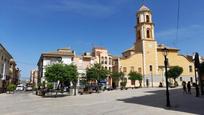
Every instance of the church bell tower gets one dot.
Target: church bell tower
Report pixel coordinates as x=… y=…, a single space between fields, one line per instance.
x=146 y=43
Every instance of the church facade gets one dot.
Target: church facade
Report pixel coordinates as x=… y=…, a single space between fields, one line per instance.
x=146 y=55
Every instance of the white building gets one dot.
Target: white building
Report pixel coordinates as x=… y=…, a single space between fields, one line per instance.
x=63 y=55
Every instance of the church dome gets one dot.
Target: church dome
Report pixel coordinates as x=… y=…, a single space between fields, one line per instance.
x=144 y=8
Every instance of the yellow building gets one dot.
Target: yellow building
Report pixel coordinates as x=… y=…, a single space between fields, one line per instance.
x=146 y=56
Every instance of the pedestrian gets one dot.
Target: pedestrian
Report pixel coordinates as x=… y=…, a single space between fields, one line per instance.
x=189 y=87
x=184 y=87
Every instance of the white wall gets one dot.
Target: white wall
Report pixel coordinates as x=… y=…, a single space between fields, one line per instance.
x=67 y=60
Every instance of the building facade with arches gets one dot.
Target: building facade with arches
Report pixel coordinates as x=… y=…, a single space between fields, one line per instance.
x=146 y=55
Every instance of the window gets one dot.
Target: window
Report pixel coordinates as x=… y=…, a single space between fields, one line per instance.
x=132 y=68
x=106 y=68
x=138 y=20
x=2 y=69
x=147 y=18
x=190 y=68
x=150 y=68
x=138 y=35
x=140 y=70
x=110 y=61
x=110 y=69
x=148 y=33
x=124 y=69
x=132 y=82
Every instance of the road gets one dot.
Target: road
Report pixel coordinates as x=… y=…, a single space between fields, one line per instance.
x=143 y=101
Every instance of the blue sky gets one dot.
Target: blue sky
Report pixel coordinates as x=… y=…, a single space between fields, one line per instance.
x=30 y=27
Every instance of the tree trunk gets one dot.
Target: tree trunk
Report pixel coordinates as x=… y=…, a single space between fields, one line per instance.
x=97 y=90
x=57 y=89
x=75 y=89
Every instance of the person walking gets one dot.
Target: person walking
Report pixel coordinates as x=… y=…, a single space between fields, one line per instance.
x=184 y=87
x=189 y=87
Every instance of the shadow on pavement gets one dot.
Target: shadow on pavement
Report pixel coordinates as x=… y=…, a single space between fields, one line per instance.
x=179 y=101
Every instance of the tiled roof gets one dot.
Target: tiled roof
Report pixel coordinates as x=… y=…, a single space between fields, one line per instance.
x=130 y=49
x=59 y=52
x=162 y=46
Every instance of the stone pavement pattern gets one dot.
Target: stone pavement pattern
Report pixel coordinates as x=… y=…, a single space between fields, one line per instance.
x=144 y=101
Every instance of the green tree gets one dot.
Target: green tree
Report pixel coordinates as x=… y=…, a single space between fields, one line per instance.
x=123 y=80
x=134 y=76
x=55 y=73
x=11 y=88
x=71 y=74
x=61 y=73
x=50 y=85
x=174 y=73
x=117 y=76
x=96 y=72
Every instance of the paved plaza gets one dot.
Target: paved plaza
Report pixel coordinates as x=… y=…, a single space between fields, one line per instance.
x=144 y=101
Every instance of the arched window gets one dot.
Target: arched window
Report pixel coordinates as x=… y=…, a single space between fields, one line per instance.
x=138 y=35
x=138 y=20
x=147 y=18
x=148 y=33
x=124 y=69
x=140 y=70
x=150 y=68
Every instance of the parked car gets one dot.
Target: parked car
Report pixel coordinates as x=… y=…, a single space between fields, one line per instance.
x=29 y=88
x=88 y=89
x=20 y=87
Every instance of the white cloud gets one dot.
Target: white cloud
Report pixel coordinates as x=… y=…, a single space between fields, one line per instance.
x=190 y=38
x=87 y=8
x=184 y=34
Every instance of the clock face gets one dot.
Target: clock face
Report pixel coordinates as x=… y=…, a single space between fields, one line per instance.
x=150 y=46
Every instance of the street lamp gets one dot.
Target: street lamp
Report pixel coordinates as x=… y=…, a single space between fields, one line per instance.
x=165 y=53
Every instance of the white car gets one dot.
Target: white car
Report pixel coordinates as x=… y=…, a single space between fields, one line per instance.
x=29 y=88
x=20 y=87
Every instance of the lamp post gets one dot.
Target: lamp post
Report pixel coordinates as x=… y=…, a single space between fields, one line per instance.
x=165 y=53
